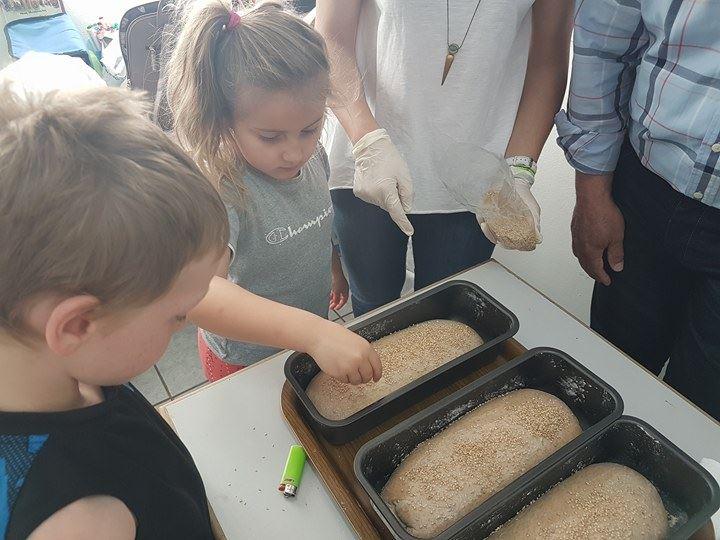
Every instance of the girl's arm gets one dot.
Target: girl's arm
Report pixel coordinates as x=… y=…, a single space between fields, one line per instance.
x=231 y=311
x=337 y=22
x=545 y=77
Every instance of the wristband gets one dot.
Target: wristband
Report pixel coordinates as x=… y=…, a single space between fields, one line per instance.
x=522 y=161
x=523 y=173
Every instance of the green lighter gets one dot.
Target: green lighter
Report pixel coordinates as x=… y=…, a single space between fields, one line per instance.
x=293 y=472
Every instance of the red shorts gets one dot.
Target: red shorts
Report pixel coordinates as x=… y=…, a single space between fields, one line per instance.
x=214 y=368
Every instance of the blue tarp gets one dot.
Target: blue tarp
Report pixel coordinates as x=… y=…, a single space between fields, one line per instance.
x=56 y=35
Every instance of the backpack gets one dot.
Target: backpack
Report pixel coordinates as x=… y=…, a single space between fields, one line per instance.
x=143 y=34
x=42 y=27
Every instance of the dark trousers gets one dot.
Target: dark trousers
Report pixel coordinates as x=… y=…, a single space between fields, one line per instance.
x=374 y=249
x=665 y=304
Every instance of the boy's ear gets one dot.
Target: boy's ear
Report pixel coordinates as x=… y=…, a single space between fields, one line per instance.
x=70 y=324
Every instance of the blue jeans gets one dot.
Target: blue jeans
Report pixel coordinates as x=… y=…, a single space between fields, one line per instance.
x=665 y=304
x=374 y=249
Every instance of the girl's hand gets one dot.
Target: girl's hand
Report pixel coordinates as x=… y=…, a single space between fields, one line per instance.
x=233 y=312
x=340 y=291
x=343 y=355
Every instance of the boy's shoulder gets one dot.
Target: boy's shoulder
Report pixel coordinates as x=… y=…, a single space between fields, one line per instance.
x=120 y=447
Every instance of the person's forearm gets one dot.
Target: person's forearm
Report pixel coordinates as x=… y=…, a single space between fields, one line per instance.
x=356 y=119
x=337 y=23
x=545 y=78
x=591 y=188
x=235 y=313
x=537 y=109
x=337 y=268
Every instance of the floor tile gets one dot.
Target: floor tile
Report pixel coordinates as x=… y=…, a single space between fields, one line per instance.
x=180 y=366
x=151 y=386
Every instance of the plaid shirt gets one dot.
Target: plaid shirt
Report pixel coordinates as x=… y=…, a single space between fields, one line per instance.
x=650 y=68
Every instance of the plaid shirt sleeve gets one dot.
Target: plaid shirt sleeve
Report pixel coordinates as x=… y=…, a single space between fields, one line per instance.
x=609 y=39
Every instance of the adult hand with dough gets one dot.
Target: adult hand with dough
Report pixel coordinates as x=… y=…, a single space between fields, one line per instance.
x=514 y=199
x=382 y=177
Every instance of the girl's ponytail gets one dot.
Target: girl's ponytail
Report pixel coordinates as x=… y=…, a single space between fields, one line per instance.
x=200 y=100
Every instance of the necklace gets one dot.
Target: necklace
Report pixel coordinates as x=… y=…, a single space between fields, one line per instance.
x=454 y=48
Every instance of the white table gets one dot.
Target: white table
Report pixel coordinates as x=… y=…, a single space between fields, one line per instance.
x=235 y=430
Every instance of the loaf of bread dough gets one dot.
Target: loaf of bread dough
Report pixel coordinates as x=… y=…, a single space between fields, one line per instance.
x=406 y=356
x=602 y=501
x=452 y=473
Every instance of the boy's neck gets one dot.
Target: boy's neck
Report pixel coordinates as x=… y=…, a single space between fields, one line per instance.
x=30 y=383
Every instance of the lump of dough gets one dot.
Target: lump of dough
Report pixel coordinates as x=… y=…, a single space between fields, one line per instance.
x=406 y=356
x=601 y=501
x=449 y=475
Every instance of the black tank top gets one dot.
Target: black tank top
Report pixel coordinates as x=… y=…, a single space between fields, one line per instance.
x=121 y=448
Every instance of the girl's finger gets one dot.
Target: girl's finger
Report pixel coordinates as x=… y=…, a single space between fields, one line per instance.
x=376 y=364
x=366 y=372
x=355 y=378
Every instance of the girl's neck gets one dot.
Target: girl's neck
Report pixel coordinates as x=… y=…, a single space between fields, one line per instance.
x=30 y=382
x=271 y=177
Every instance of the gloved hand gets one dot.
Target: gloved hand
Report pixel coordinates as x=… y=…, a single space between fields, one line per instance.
x=382 y=177
x=511 y=215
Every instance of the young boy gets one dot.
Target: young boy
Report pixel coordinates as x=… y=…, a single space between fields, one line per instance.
x=109 y=236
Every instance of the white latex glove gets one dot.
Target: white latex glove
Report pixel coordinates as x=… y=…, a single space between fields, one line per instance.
x=515 y=199
x=382 y=177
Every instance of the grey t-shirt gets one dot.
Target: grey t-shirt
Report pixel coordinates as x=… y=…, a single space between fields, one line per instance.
x=281 y=244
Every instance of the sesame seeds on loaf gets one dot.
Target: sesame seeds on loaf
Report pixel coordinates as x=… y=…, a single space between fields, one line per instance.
x=406 y=356
x=601 y=501
x=449 y=475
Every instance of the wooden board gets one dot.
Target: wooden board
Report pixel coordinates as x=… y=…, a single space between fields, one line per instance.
x=334 y=464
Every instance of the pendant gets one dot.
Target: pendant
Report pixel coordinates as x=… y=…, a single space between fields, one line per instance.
x=453 y=49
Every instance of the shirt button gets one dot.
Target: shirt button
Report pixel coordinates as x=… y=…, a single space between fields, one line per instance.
x=715 y=147
x=697 y=195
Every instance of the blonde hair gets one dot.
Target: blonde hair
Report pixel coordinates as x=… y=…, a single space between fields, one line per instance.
x=95 y=199
x=213 y=65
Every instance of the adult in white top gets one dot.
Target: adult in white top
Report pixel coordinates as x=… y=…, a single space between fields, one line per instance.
x=401 y=129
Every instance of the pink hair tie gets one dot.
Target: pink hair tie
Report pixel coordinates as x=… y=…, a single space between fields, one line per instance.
x=233 y=20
